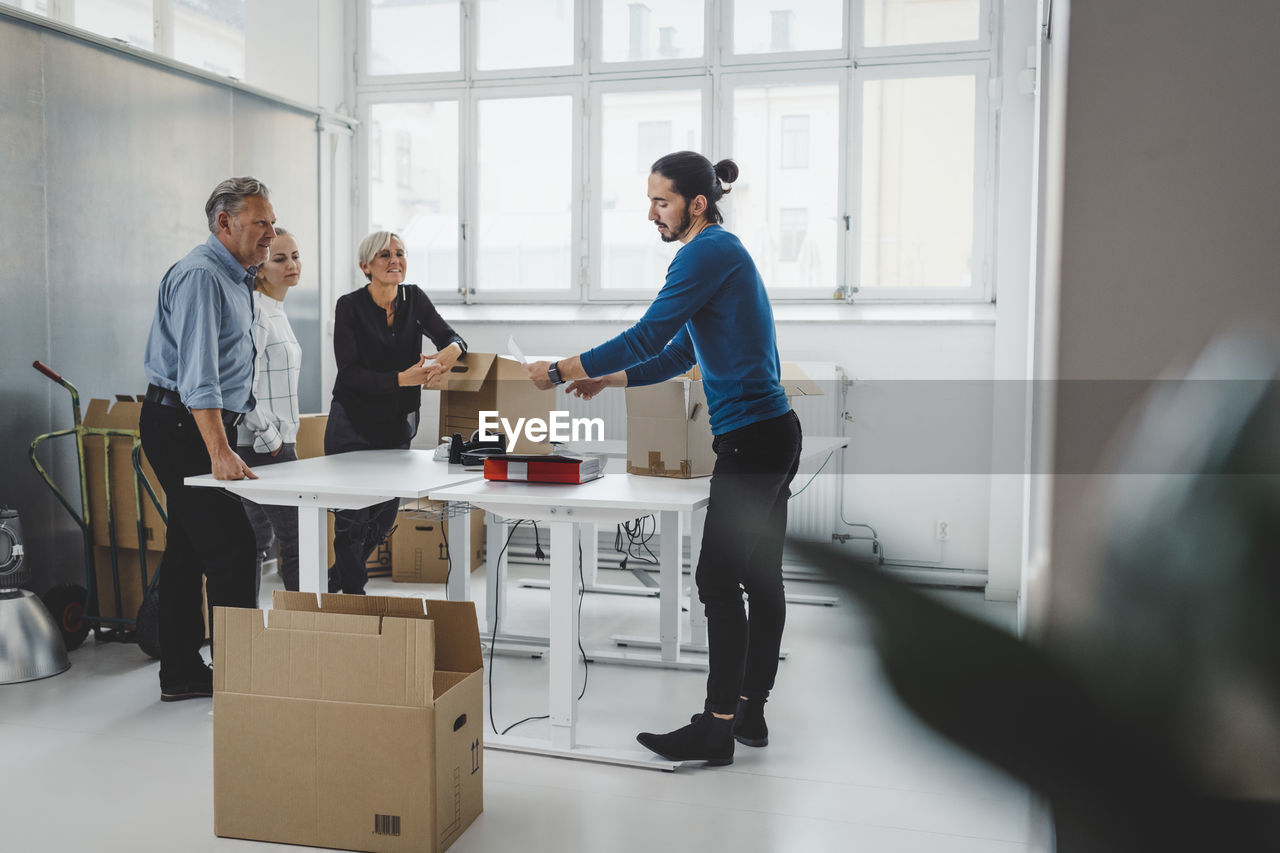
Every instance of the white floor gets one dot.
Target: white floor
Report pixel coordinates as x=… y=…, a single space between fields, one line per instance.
x=91 y=759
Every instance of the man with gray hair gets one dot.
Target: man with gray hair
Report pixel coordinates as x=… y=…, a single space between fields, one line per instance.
x=199 y=363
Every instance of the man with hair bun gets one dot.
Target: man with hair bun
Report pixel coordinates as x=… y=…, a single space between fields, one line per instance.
x=199 y=362
x=713 y=311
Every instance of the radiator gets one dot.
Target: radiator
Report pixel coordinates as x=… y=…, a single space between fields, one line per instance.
x=815 y=508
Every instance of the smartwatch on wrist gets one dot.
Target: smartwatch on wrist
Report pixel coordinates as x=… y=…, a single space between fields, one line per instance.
x=553 y=373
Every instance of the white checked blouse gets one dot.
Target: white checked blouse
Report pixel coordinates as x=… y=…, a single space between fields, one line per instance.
x=275 y=382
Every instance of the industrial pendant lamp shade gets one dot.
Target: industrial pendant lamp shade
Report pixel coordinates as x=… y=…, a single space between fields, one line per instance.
x=31 y=646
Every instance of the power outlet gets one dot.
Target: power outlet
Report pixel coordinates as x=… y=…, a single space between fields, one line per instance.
x=941 y=530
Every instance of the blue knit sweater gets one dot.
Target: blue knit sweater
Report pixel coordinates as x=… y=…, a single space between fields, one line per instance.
x=712 y=310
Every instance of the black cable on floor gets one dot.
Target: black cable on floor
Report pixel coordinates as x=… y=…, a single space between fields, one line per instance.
x=497 y=591
x=586 y=669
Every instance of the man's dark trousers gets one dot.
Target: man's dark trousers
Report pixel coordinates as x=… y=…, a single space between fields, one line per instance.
x=209 y=535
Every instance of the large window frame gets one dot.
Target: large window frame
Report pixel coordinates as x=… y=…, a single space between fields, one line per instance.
x=717 y=72
x=984 y=164
x=746 y=79
x=574 y=291
x=363 y=202
x=594 y=272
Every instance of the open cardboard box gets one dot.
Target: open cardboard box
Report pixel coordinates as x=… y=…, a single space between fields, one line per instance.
x=352 y=722
x=669 y=428
x=485 y=381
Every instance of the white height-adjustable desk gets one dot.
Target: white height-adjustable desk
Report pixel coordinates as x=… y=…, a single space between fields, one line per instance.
x=353 y=480
x=671 y=646
x=565 y=508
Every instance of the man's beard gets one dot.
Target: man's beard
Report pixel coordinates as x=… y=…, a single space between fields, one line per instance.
x=685 y=221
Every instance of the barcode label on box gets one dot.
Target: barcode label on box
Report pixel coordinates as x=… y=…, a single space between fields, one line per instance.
x=386 y=824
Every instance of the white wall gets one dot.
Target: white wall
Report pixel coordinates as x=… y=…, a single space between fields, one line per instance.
x=295 y=48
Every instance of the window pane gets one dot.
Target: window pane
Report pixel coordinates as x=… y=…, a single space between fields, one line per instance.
x=127 y=20
x=414 y=36
x=917 y=182
x=893 y=22
x=525 y=219
x=654 y=29
x=35 y=7
x=209 y=34
x=783 y=207
x=778 y=26
x=524 y=33
x=413 y=186
x=637 y=128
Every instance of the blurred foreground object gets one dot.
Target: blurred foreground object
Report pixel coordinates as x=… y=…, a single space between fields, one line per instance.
x=1158 y=727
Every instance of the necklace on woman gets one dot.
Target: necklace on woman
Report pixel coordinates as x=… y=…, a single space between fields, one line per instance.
x=389 y=308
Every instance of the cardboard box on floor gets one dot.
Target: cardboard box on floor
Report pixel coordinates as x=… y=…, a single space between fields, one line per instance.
x=484 y=381
x=111 y=458
x=419 y=545
x=354 y=723
x=120 y=414
x=669 y=428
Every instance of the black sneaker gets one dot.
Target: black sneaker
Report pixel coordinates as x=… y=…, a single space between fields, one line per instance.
x=194 y=686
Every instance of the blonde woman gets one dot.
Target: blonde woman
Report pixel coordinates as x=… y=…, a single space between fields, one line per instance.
x=269 y=433
x=378 y=347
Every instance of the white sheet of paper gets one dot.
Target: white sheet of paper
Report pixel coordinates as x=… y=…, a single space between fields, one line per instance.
x=515 y=350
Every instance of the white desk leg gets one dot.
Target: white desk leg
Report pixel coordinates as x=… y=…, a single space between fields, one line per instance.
x=313 y=549
x=590 y=553
x=563 y=649
x=495 y=570
x=697 y=613
x=670 y=545
x=458 y=587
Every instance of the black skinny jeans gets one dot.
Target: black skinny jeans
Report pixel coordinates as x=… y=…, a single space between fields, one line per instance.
x=208 y=534
x=742 y=551
x=356 y=532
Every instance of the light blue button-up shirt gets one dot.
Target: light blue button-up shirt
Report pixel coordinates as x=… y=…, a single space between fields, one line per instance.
x=201 y=340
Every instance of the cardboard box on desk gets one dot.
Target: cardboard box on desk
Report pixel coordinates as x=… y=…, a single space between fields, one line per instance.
x=353 y=723
x=483 y=381
x=419 y=545
x=669 y=428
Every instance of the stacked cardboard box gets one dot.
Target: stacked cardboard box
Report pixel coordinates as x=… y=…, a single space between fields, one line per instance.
x=353 y=723
x=109 y=470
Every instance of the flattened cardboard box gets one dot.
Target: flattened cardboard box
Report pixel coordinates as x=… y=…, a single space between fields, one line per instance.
x=420 y=541
x=129 y=571
x=122 y=414
x=353 y=723
x=669 y=427
x=484 y=381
